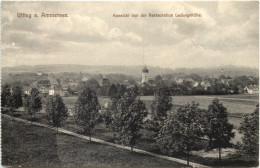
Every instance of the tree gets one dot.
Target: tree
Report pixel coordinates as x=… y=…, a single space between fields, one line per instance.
x=5 y=94
x=56 y=112
x=158 y=79
x=131 y=81
x=146 y=89
x=106 y=113
x=33 y=102
x=86 y=110
x=102 y=91
x=127 y=117
x=219 y=131
x=180 y=130
x=121 y=91
x=17 y=93
x=195 y=77
x=91 y=83
x=159 y=83
x=199 y=90
x=250 y=130
x=161 y=105
x=11 y=103
x=112 y=91
x=11 y=97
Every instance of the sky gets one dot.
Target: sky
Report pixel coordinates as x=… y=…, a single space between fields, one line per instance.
x=227 y=33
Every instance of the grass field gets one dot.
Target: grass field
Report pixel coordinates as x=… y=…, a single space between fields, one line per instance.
x=236 y=105
x=244 y=104
x=26 y=145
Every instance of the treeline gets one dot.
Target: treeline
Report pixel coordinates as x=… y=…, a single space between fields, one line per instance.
x=175 y=131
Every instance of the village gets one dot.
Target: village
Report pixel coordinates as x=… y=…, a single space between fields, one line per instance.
x=67 y=84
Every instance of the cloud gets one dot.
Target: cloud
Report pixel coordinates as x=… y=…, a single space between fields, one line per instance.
x=227 y=33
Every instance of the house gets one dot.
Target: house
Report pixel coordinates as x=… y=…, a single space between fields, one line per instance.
x=27 y=90
x=125 y=83
x=71 y=112
x=54 y=81
x=65 y=87
x=73 y=85
x=251 y=89
x=189 y=80
x=40 y=83
x=41 y=76
x=51 y=92
x=34 y=84
x=57 y=89
x=85 y=79
x=195 y=84
x=226 y=81
x=179 y=81
x=43 y=89
x=105 y=81
x=205 y=85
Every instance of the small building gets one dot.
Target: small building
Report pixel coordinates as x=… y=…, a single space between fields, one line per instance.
x=85 y=79
x=105 y=81
x=43 y=89
x=51 y=92
x=73 y=85
x=189 y=80
x=205 y=85
x=195 y=84
x=27 y=90
x=57 y=89
x=251 y=89
x=179 y=81
x=54 y=81
x=226 y=81
x=40 y=83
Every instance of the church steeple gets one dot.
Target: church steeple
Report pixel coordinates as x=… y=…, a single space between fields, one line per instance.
x=145 y=72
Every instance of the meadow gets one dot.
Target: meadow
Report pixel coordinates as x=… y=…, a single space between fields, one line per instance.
x=29 y=146
x=237 y=105
x=148 y=143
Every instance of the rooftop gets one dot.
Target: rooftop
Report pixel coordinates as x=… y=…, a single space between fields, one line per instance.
x=145 y=70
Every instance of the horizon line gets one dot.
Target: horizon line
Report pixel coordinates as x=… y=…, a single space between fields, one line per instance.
x=209 y=67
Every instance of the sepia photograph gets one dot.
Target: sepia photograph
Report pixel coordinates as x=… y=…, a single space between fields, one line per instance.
x=130 y=84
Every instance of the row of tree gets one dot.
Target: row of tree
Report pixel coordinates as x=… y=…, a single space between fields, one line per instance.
x=175 y=130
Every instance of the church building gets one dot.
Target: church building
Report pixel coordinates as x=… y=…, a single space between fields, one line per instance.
x=145 y=72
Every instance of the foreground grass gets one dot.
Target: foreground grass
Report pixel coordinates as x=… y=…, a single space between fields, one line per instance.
x=148 y=143
x=27 y=145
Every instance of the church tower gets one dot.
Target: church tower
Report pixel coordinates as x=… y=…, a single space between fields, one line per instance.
x=145 y=72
